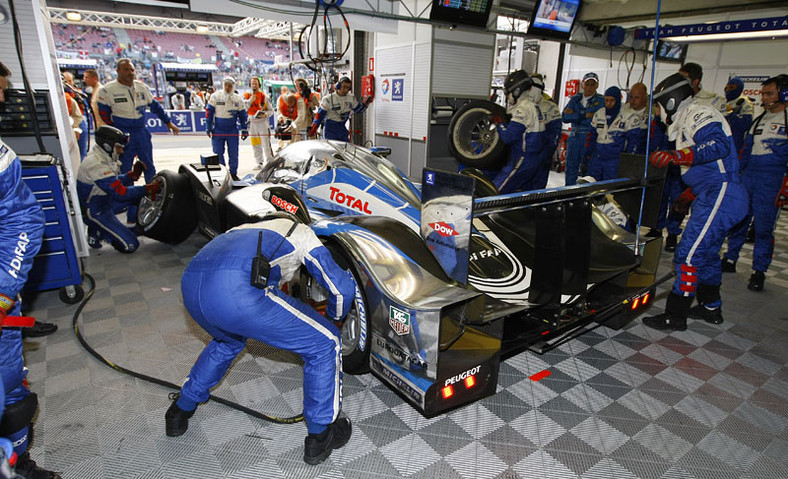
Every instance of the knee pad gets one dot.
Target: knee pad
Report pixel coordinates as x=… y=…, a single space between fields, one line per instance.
x=18 y=414
x=708 y=293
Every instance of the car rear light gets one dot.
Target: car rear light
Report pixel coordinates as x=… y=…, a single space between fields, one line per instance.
x=646 y=298
x=448 y=391
x=470 y=382
x=635 y=304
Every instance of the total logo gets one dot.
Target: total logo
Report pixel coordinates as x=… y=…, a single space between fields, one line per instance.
x=349 y=201
x=399 y=320
x=443 y=229
x=284 y=204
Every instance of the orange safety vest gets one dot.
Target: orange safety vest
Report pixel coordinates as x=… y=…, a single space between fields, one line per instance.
x=257 y=103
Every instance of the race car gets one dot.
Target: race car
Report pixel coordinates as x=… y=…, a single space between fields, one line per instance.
x=451 y=275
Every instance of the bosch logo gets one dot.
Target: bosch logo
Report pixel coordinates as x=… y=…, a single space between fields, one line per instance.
x=462 y=376
x=349 y=201
x=284 y=204
x=443 y=229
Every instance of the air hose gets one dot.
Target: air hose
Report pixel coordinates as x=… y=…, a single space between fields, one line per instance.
x=161 y=382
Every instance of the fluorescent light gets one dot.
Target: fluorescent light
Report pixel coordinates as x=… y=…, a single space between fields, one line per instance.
x=73 y=16
x=727 y=36
x=202 y=28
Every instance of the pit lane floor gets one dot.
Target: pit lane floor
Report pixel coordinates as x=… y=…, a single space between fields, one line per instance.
x=711 y=402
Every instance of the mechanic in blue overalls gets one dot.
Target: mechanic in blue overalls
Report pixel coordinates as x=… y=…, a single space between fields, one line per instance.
x=579 y=112
x=739 y=110
x=104 y=190
x=226 y=116
x=20 y=239
x=764 y=164
x=218 y=293
x=122 y=104
x=608 y=137
x=335 y=110
x=710 y=168
x=552 y=131
x=524 y=135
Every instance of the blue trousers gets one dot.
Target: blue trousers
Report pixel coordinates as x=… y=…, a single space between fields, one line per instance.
x=102 y=223
x=230 y=138
x=141 y=146
x=673 y=188
x=577 y=149
x=13 y=374
x=83 y=140
x=335 y=130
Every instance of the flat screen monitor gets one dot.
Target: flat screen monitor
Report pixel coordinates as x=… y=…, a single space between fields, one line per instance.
x=554 y=18
x=671 y=52
x=461 y=12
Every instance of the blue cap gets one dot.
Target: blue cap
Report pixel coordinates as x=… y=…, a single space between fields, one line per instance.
x=591 y=76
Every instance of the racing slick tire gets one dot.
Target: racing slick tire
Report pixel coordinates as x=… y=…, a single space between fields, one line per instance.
x=355 y=326
x=172 y=215
x=473 y=139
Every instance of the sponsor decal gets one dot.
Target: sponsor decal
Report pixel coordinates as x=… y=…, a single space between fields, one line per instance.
x=430 y=179
x=399 y=355
x=350 y=201
x=443 y=229
x=459 y=377
x=778 y=128
x=121 y=99
x=486 y=253
x=284 y=204
x=362 y=320
x=399 y=320
x=397 y=381
x=19 y=255
x=205 y=198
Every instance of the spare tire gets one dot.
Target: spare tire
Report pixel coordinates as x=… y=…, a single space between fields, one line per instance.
x=172 y=215
x=473 y=138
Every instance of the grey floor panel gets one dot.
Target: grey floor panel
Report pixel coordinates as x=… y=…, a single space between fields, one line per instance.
x=711 y=402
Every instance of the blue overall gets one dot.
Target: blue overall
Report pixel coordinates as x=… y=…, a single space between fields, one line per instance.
x=578 y=148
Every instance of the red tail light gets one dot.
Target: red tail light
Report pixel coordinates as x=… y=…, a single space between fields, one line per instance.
x=470 y=382
x=447 y=392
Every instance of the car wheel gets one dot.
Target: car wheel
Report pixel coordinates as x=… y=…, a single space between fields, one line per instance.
x=355 y=327
x=172 y=215
x=473 y=139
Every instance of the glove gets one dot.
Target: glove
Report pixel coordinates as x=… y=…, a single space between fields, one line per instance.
x=313 y=129
x=152 y=189
x=782 y=196
x=136 y=170
x=661 y=159
x=497 y=118
x=244 y=134
x=367 y=100
x=681 y=204
x=210 y=133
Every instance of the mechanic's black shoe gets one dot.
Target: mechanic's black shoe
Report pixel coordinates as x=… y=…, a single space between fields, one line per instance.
x=666 y=322
x=28 y=469
x=728 y=265
x=712 y=316
x=234 y=177
x=317 y=447
x=39 y=329
x=670 y=242
x=756 y=281
x=176 y=420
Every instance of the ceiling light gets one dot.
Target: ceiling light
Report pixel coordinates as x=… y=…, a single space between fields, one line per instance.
x=73 y=16
x=202 y=29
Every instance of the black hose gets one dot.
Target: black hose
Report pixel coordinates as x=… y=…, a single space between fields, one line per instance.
x=161 y=382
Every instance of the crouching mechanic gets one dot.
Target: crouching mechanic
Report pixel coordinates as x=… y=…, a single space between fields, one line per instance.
x=226 y=112
x=104 y=191
x=20 y=239
x=710 y=168
x=219 y=295
x=335 y=110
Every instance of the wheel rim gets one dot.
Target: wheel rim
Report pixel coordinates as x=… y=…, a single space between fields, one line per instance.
x=149 y=210
x=474 y=135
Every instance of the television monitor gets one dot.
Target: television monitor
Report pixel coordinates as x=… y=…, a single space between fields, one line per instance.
x=671 y=52
x=462 y=12
x=554 y=18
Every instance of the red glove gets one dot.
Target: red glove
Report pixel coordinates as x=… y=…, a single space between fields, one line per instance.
x=661 y=159
x=782 y=196
x=367 y=100
x=313 y=129
x=497 y=118
x=136 y=170
x=682 y=203
x=152 y=189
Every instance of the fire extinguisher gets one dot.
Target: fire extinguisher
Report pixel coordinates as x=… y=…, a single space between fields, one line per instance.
x=367 y=88
x=571 y=87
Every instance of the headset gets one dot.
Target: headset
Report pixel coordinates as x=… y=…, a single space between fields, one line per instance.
x=782 y=87
x=341 y=81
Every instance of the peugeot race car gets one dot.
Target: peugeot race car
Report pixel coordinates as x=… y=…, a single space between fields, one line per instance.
x=451 y=275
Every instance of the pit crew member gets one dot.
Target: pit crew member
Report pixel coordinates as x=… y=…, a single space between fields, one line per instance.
x=579 y=112
x=335 y=110
x=259 y=111
x=552 y=131
x=608 y=137
x=226 y=115
x=738 y=110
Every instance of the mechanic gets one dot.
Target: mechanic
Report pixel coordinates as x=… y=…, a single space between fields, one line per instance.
x=259 y=111
x=20 y=240
x=608 y=137
x=710 y=166
x=103 y=190
x=524 y=135
x=635 y=116
x=764 y=164
x=122 y=104
x=694 y=73
x=579 y=112
x=81 y=129
x=178 y=100
x=287 y=115
x=304 y=91
x=77 y=121
x=92 y=86
x=335 y=109
x=218 y=294
x=552 y=129
x=226 y=113
x=738 y=110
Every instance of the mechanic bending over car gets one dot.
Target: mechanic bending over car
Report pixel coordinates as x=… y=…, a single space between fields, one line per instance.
x=710 y=169
x=104 y=191
x=231 y=307
x=334 y=112
x=226 y=113
x=20 y=239
x=524 y=134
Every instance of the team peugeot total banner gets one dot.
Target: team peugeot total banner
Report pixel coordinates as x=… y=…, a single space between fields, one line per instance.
x=730 y=27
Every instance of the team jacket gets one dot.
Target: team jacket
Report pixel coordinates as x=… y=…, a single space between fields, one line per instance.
x=100 y=182
x=22 y=225
x=226 y=112
x=552 y=121
x=259 y=103
x=609 y=140
x=337 y=108
x=578 y=119
x=636 y=128
x=739 y=117
x=766 y=147
x=124 y=107
x=705 y=131
x=709 y=98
